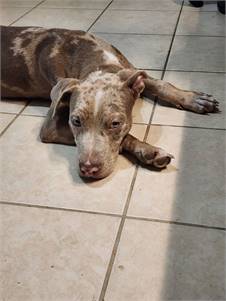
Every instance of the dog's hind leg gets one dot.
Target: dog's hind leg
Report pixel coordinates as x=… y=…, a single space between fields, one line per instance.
x=146 y=153
x=197 y=102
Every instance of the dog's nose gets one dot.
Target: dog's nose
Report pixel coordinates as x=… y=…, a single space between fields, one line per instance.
x=89 y=169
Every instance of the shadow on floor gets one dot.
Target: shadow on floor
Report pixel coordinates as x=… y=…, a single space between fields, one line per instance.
x=196 y=256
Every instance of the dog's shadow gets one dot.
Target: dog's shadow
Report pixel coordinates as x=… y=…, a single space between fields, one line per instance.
x=69 y=153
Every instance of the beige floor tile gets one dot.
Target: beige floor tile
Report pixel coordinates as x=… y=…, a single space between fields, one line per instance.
x=195 y=53
x=192 y=188
x=153 y=73
x=63 y=18
x=11 y=106
x=144 y=51
x=142 y=110
x=205 y=23
x=145 y=5
x=10 y=14
x=46 y=174
x=19 y=3
x=140 y=22
x=54 y=255
x=212 y=83
x=37 y=108
x=158 y=262
x=94 y=4
x=5 y=119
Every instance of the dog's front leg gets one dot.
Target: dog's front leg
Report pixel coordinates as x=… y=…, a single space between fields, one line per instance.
x=145 y=152
x=190 y=100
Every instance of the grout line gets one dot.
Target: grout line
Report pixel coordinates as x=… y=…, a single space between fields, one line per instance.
x=154 y=220
x=158 y=34
x=17 y=115
x=71 y=8
x=172 y=41
x=165 y=10
x=59 y=208
x=117 y=240
x=150 y=69
x=14 y=119
x=161 y=221
x=8 y=125
x=132 y=33
x=199 y=35
x=8 y=113
x=187 y=71
x=27 y=12
x=154 y=10
x=151 y=118
x=188 y=126
x=100 y=15
x=164 y=69
x=24 y=114
x=33 y=115
x=196 y=71
x=140 y=123
x=152 y=113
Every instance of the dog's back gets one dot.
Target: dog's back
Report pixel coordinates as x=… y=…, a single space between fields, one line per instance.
x=34 y=58
x=31 y=61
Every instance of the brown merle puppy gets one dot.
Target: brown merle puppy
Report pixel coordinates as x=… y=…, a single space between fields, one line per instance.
x=93 y=88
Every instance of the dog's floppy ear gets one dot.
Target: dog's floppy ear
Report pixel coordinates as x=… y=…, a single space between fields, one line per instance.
x=55 y=128
x=134 y=80
x=61 y=93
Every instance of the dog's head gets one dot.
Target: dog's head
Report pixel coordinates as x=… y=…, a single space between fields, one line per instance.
x=100 y=115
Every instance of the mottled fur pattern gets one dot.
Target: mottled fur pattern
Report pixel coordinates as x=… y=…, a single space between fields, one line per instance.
x=93 y=88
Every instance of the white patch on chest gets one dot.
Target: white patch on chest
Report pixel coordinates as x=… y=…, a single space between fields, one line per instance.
x=98 y=101
x=110 y=58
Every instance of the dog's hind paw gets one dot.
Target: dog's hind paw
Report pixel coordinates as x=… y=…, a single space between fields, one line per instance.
x=201 y=103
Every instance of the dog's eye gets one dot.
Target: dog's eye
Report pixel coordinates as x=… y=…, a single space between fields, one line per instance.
x=115 y=124
x=75 y=120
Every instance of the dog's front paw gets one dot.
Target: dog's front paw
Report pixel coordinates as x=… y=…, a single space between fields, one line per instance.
x=158 y=158
x=201 y=103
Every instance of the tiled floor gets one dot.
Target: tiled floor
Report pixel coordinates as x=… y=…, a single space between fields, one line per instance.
x=138 y=234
